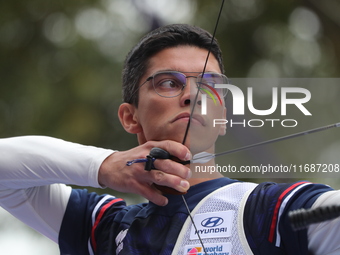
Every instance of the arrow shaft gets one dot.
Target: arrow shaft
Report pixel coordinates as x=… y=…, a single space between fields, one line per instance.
x=279 y=139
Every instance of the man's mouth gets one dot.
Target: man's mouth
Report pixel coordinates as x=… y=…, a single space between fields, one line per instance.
x=196 y=118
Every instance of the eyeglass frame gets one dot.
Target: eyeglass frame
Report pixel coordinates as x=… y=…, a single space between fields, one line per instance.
x=183 y=85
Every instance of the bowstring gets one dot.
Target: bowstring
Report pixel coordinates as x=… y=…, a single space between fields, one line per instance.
x=204 y=68
x=192 y=112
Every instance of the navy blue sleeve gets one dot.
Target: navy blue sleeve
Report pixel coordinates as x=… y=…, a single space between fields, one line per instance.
x=266 y=223
x=83 y=212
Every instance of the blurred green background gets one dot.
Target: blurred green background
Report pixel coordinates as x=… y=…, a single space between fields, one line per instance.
x=61 y=62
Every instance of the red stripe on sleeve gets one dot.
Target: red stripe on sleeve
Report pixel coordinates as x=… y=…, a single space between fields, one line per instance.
x=99 y=217
x=276 y=210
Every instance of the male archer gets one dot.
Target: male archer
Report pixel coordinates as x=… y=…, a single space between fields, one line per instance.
x=162 y=74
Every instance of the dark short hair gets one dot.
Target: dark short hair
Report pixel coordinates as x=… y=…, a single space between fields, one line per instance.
x=136 y=62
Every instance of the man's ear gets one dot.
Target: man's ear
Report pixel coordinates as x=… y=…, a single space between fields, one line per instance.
x=128 y=119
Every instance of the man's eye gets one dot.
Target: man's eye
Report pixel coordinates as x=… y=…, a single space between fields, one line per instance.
x=207 y=84
x=168 y=84
x=211 y=84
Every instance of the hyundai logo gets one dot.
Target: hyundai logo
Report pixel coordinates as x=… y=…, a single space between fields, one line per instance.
x=212 y=222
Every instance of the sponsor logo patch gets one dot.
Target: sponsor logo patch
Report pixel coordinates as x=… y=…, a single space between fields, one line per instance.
x=212 y=225
x=210 y=249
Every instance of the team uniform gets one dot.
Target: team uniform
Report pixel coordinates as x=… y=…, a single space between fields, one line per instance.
x=115 y=228
x=231 y=217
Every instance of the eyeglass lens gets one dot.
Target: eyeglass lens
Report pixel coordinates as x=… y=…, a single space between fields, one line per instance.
x=170 y=84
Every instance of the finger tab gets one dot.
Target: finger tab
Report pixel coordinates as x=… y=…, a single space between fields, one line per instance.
x=159 y=153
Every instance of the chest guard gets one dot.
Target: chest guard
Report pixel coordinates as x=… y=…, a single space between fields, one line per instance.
x=219 y=223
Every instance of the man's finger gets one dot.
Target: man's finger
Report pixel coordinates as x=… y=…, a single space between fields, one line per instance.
x=154 y=195
x=169 y=180
x=172 y=167
x=176 y=149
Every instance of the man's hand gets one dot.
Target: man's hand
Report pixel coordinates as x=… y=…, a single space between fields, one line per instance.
x=115 y=174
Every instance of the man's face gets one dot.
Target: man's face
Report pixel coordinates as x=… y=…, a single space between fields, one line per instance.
x=163 y=118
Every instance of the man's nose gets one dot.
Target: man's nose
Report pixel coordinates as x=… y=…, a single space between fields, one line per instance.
x=190 y=92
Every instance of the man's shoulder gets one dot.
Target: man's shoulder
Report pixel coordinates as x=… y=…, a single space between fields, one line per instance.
x=266 y=222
